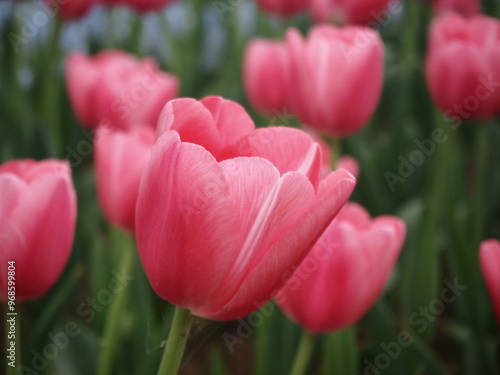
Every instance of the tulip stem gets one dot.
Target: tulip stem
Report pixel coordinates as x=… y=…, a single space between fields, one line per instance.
x=176 y=342
x=303 y=354
x=481 y=153
x=341 y=352
x=336 y=150
x=111 y=328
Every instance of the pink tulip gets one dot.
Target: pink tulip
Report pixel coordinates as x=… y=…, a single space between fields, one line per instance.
x=465 y=7
x=37 y=224
x=345 y=272
x=336 y=76
x=141 y=6
x=468 y=89
x=120 y=158
x=216 y=232
x=70 y=9
x=284 y=8
x=266 y=76
x=115 y=88
x=354 y=11
x=489 y=253
x=350 y=164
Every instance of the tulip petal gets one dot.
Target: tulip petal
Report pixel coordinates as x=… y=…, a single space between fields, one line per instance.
x=230 y=118
x=194 y=123
x=287 y=148
x=186 y=222
x=299 y=234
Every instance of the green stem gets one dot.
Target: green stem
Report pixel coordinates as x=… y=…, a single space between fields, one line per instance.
x=303 y=354
x=55 y=304
x=341 y=352
x=111 y=328
x=176 y=342
x=481 y=153
x=262 y=348
x=336 y=150
x=409 y=57
x=422 y=279
x=50 y=100
x=136 y=35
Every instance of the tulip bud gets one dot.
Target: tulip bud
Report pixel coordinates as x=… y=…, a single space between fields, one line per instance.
x=140 y=6
x=469 y=89
x=343 y=12
x=336 y=76
x=114 y=87
x=345 y=272
x=37 y=224
x=284 y=8
x=464 y=7
x=489 y=254
x=266 y=76
x=120 y=158
x=69 y=9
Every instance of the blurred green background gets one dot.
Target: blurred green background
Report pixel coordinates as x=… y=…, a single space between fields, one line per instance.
x=447 y=211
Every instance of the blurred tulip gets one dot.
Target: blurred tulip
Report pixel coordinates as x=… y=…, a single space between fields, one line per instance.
x=345 y=272
x=216 y=232
x=343 y=12
x=141 y=6
x=463 y=66
x=350 y=164
x=490 y=264
x=465 y=7
x=37 y=224
x=336 y=77
x=266 y=76
x=70 y=9
x=116 y=88
x=120 y=158
x=284 y=8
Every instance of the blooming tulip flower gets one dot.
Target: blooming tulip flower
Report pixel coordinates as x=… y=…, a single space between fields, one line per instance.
x=285 y=8
x=266 y=76
x=37 y=224
x=468 y=89
x=115 y=88
x=351 y=11
x=120 y=158
x=70 y=9
x=465 y=7
x=489 y=253
x=345 y=272
x=215 y=231
x=336 y=75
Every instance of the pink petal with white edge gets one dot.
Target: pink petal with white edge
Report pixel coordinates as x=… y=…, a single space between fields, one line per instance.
x=289 y=247
x=287 y=148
